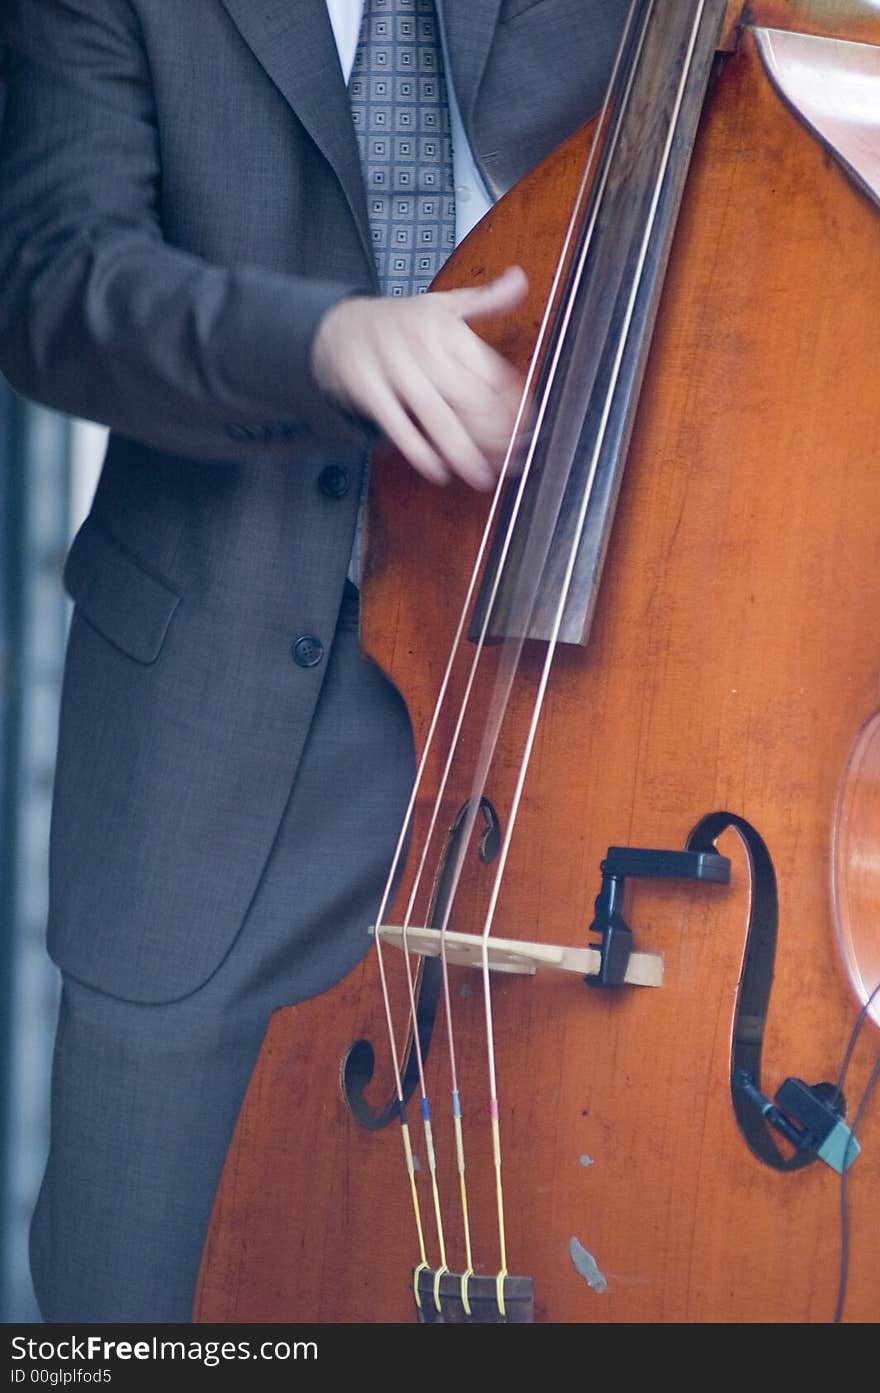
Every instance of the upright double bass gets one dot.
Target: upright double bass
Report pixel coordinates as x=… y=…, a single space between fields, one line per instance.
x=611 y=1054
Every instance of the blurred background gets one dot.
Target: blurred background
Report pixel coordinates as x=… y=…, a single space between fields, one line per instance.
x=48 y=470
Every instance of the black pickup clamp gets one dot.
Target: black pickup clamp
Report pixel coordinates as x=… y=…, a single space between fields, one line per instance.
x=615 y=936
x=810 y=1117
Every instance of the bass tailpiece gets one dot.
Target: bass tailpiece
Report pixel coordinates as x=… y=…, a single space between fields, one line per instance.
x=450 y=1298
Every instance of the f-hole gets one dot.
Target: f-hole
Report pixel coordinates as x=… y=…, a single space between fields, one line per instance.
x=358 y=1063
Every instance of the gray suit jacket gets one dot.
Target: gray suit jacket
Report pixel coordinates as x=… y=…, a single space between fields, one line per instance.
x=181 y=202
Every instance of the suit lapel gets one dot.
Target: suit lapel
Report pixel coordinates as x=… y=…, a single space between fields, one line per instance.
x=293 y=40
x=470 y=27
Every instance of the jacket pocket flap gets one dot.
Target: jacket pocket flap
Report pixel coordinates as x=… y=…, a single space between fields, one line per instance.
x=116 y=595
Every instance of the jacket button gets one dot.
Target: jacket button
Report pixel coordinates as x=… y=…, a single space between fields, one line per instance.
x=307 y=650
x=334 y=481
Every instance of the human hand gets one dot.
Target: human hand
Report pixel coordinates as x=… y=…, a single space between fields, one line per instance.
x=413 y=366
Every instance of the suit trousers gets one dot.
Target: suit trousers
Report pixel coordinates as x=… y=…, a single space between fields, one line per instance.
x=145 y=1097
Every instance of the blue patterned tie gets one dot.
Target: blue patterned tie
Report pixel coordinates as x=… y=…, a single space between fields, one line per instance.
x=401 y=117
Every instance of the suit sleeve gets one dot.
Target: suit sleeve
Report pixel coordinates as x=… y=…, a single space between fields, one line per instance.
x=99 y=316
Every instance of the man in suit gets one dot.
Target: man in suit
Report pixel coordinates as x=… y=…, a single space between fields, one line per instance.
x=185 y=256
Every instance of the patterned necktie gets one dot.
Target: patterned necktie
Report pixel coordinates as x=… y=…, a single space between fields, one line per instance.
x=401 y=117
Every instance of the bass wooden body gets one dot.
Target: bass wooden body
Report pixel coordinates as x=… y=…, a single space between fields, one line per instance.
x=733 y=667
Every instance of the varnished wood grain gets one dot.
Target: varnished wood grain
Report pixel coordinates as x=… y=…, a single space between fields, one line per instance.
x=854 y=20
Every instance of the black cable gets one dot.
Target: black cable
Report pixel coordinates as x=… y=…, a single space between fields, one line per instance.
x=854 y=1034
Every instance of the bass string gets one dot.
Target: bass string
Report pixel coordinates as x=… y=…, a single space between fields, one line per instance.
x=528 y=584
x=552 y=644
x=471 y=808
x=511 y=648
x=458 y=641
x=571 y=560
x=553 y=640
x=510 y=657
